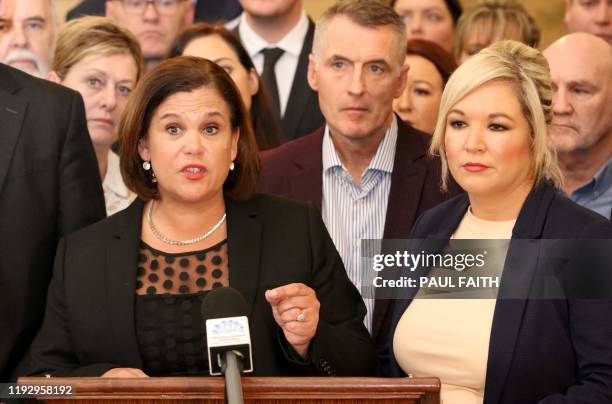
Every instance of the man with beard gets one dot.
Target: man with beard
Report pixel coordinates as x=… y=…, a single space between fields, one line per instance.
x=27 y=35
x=581 y=67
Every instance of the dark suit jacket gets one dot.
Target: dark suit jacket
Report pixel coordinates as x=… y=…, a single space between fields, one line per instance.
x=89 y=323
x=295 y=170
x=205 y=11
x=302 y=115
x=49 y=187
x=541 y=350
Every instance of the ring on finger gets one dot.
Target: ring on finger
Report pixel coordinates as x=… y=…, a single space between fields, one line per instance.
x=301 y=317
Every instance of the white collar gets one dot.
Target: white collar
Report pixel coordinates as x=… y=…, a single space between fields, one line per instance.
x=113 y=180
x=291 y=43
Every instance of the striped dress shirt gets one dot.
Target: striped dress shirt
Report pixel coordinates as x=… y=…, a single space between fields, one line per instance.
x=352 y=212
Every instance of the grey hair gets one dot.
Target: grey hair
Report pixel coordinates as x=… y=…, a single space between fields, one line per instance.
x=365 y=13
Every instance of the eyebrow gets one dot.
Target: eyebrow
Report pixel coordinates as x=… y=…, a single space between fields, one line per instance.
x=424 y=82
x=581 y=83
x=493 y=115
x=334 y=58
x=176 y=115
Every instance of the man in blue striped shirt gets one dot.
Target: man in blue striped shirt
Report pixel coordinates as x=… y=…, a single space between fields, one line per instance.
x=367 y=170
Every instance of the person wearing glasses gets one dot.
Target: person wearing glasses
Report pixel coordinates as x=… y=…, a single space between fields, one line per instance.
x=156 y=23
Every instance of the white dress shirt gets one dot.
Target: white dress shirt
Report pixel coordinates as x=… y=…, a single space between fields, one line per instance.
x=286 y=65
x=353 y=213
x=116 y=195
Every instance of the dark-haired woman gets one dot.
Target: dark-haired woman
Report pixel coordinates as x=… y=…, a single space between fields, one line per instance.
x=126 y=293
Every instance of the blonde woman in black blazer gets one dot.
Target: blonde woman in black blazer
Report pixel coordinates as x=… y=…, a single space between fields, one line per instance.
x=126 y=293
x=491 y=136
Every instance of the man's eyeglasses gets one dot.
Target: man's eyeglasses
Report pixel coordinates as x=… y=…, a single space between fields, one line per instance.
x=138 y=7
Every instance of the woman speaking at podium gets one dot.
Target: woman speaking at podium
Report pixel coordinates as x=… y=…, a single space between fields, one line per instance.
x=491 y=135
x=126 y=293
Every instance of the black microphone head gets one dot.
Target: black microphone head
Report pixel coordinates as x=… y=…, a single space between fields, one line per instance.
x=224 y=302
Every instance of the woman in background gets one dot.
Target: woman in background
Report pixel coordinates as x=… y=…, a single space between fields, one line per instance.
x=430 y=68
x=103 y=62
x=432 y=20
x=491 y=135
x=217 y=44
x=490 y=21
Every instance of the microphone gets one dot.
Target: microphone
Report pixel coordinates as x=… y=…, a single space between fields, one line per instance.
x=228 y=338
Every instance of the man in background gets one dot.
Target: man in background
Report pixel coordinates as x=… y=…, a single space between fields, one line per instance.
x=27 y=35
x=49 y=187
x=582 y=118
x=365 y=168
x=592 y=16
x=278 y=36
x=156 y=24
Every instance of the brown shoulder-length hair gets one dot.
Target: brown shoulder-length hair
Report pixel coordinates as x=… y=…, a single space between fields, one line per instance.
x=185 y=74
x=266 y=127
x=443 y=61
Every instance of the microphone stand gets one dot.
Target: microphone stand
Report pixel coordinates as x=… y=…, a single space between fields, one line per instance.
x=231 y=371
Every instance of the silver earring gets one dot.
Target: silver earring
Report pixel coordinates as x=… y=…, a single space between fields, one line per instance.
x=232 y=166
x=146 y=165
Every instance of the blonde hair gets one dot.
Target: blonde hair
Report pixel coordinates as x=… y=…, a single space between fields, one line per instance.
x=526 y=70
x=88 y=36
x=496 y=19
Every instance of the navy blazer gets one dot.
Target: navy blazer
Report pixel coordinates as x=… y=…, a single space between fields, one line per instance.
x=89 y=323
x=540 y=351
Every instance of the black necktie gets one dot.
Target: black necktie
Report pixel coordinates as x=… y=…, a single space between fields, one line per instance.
x=268 y=77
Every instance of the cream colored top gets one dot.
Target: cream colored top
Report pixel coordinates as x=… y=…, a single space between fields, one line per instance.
x=449 y=338
x=116 y=195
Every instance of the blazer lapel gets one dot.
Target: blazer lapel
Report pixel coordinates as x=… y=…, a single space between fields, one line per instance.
x=520 y=266
x=407 y=181
x=12 y=111
x=300 y=93
x=244 y=248
x=306 y=184
x=122 y=262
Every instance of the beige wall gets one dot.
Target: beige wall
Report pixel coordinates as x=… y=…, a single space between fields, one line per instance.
x=548 y=13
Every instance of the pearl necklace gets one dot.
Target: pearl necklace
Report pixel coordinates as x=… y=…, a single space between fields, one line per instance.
x=167 y=240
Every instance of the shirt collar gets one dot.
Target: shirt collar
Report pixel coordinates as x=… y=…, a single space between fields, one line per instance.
x=113 y=180
x=383 y=160
x=291 y=43
x=601 y=181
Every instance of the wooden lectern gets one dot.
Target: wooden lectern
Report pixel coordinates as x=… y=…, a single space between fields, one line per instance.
x=266 y=390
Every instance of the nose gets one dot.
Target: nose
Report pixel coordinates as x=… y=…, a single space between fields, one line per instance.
x=194 y=142
x=561 y=102
x=150 y=12
x=357 y=84
x=416 y=25
x=20 y=39
x=109 y=98
x=474 y=142
x=604 y=12
x=404 y=101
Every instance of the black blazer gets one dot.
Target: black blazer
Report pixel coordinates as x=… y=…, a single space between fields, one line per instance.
x=302 y=114
x=295 y=170
x=540 y=351
x=205 y=10
x=49 y=187
x=89 y=322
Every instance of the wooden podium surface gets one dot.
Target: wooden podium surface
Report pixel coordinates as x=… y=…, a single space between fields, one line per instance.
x=265 y=390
